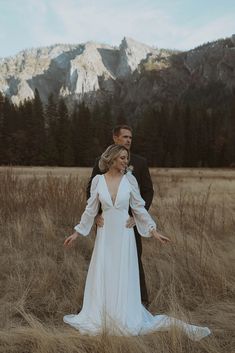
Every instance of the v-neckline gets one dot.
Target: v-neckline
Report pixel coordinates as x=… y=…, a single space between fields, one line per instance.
x=113 y=203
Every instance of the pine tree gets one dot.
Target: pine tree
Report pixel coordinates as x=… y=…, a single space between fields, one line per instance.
x=51 y=118
x=32 y=118
x=121 y=117
x=26 y=114
x=99 y=133
x=8 y=116
x=103 y=124
x=18 y=138
x=148 y=139
x=1 y=128
x=38 y=129
x=175 y=137
x=82 y=136
x=64 y=136
x=202 y=139
x=231 y=133
x=189 y=138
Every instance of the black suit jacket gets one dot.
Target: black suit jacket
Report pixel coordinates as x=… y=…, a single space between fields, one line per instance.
x=140 y=171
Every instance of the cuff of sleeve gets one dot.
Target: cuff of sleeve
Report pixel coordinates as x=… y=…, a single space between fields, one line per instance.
x=77 y=228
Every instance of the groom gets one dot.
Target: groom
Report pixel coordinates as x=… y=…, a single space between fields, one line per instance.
x=122 y=135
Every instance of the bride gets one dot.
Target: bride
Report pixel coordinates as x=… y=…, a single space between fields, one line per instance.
x=112 y=300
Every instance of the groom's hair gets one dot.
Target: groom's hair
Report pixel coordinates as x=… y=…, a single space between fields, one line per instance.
x=117 y=128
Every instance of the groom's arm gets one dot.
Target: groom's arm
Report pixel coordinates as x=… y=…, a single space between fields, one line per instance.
x=146 y=185
x=95 y=171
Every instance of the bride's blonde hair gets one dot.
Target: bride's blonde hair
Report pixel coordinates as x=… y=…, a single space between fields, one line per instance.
x=110 y=154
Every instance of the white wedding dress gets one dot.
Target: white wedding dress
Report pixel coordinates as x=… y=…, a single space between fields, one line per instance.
x=112 y=300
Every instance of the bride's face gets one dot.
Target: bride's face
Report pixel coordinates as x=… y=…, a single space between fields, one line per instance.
x=121 y=162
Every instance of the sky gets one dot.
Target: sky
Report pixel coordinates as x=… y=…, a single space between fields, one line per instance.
x=170 y=24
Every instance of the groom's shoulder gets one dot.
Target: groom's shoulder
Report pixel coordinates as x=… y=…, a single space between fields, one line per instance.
x=96 y=169
x=136 y=158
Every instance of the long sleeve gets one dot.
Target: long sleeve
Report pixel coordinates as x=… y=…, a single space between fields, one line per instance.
x=92 y=207
x=143 y=220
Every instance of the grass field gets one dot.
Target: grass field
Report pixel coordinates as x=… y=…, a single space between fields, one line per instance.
x=192 y=279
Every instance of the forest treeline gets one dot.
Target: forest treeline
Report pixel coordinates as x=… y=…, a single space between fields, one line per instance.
x=178 y=136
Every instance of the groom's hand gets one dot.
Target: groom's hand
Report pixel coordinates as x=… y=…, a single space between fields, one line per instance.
x=130 y=223
x=99 y=221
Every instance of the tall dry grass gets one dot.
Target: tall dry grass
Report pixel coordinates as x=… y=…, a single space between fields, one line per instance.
x=192 y=279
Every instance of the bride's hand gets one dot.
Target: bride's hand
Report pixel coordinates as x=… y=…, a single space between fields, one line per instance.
x=69 y=240
x=130 y=223
x=160 y=237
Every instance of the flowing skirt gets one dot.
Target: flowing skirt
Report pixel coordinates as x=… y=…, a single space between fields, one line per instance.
x=112 y=300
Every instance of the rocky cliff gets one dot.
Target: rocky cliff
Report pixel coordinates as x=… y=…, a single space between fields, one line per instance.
x=69 y=70
x=171 y=77
x=132 y=72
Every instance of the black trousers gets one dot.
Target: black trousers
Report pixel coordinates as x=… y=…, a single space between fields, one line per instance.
x=143 y=288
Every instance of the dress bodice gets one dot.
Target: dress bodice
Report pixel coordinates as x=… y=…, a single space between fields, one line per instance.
x=128 y=195
x=122 y=198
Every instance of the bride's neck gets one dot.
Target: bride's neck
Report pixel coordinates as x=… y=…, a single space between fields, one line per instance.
x=112 y=172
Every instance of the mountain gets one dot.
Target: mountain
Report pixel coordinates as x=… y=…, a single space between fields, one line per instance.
x=70 y=70
x=199 y=74
x=133 y=74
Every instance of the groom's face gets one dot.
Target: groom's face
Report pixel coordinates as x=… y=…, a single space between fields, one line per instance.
x=124 y=138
